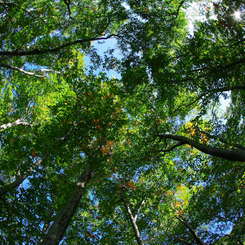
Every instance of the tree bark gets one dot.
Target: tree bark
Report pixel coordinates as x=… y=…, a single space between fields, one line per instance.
x=232 y=155
x=63 y=218
x=17 y=122
x=133 y=220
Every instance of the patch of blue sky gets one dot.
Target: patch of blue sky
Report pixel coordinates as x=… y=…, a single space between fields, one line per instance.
x=101 y=48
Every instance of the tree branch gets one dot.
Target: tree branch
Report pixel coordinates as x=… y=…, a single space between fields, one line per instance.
x=67 y=3
x=17 y=122
x=167 y=150
x=193 y=233
x=132 y=219
x=222 y=140
x=180 y=5
x=183 y=240
x=26 y=72
x=54 y=50
x=47 y=223
x=20 y=70
x=216 y=90
x=233 y=155
x=195 y=236
x=141 y=205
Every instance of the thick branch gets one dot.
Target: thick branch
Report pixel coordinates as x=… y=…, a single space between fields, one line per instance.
x=223 y=140
x=233 y=155
x=54 y=50
x=133 y=221
x=63 y=218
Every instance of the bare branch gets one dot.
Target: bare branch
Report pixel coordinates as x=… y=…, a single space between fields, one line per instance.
x=27 y=72
x=17 y=122
x=20 y=70
x=141 y=205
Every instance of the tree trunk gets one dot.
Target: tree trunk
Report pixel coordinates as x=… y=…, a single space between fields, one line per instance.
x=63 y=218
x=133 y=221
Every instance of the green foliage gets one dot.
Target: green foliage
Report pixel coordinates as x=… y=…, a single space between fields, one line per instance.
x=153 y=138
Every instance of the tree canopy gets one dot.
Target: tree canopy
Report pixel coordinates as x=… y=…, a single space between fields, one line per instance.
x=152 y=156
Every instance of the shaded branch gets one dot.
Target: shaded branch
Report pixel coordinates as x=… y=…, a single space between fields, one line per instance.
x=193 y=233
x=216 y=90
x=233 y=155
x=47 y=223
x=180 y=5
x=167 y=150
x=183 y=240
x=67 y=3
x=44 y=51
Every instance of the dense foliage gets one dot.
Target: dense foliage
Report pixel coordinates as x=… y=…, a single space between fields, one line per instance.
x=151 y=156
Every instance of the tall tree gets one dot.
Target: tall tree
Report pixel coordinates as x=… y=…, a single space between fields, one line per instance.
x=148 y=158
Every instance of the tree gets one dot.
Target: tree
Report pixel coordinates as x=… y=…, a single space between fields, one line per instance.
x=148 y=158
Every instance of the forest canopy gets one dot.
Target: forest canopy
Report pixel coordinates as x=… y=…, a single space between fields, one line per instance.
x=153 y=155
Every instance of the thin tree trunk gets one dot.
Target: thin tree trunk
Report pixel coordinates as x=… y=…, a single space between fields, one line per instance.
x=63 y=218
x=133 y=219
